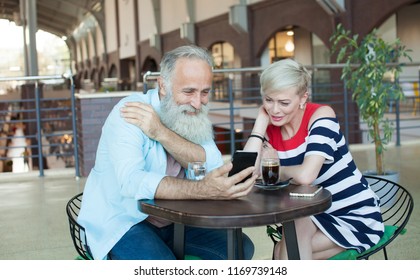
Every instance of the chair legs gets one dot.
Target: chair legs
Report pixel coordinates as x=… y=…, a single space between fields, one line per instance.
x=385 y=254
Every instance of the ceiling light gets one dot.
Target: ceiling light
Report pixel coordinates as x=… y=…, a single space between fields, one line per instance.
x=289 y=47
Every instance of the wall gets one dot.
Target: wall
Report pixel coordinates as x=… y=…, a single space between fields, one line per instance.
x=146 y=19
x=408 y=31
x=126 y=23
x=303 y=46
x=264 y=19
x=100 y=46
x=174 y=13
x=92 y=111
x=111 y=25
x=208 y=9
x=91 y=43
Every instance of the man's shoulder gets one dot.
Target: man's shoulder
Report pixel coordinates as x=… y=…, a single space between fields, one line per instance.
x=147 y=98
x=140 y=96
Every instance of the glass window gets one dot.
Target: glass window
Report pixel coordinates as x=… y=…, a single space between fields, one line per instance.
x=281 y=45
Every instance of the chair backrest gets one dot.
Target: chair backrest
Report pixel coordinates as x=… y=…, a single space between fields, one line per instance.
x=396 y=204
x=77 y=232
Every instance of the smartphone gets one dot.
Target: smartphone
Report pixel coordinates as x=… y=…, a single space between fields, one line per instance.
x=242 y=160
x=305 y=191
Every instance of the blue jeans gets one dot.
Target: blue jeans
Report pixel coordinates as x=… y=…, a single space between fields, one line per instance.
x=144 y=241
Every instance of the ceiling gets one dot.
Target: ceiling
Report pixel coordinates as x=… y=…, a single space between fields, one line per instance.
x=60 y=17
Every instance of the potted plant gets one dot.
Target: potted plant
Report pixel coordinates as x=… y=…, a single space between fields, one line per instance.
x=371 y=71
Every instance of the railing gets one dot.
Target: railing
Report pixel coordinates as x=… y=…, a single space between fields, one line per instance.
x=45 y=126
x=233 y=109
x=236 y=99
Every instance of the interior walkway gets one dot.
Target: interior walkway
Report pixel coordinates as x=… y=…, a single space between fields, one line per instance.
x=33 y=221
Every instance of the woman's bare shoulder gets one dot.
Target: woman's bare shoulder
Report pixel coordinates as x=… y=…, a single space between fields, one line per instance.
x=322 y=112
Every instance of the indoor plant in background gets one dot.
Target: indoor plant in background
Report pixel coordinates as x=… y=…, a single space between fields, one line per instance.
x=371 y=71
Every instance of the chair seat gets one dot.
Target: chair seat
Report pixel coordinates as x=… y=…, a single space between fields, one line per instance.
x=352 y=254
x=190 y=257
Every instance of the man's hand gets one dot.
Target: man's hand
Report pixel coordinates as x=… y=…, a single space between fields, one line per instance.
x=215 y=185
x=143 y=116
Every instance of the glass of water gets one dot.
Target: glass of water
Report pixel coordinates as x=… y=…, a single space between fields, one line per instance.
x=196 y=170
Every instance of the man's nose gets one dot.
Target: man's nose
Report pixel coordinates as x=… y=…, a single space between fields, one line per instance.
x=196 y=101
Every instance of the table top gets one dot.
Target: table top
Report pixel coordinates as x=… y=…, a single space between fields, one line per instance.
x=259 y=207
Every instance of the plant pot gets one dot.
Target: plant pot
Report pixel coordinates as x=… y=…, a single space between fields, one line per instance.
x=385 y=193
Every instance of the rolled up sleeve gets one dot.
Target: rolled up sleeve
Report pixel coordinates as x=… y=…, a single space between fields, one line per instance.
x=213 y=155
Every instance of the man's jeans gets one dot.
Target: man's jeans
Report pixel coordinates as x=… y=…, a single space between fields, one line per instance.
x=144 y=241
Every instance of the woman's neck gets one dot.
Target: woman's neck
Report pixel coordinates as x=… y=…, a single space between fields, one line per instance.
x=289 y=130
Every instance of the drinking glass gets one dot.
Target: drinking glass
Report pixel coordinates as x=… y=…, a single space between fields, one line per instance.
x=270 y=170
x=196 y=170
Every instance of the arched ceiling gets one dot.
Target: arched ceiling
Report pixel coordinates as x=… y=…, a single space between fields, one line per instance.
x=59 y=17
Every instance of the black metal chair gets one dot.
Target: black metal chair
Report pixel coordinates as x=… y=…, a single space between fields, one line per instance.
x=396 y=207
x=77 y=232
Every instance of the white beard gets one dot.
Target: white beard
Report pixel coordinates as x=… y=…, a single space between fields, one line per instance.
x=195 y=128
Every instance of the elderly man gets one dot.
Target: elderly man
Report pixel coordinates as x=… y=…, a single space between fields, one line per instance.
x=146 y=142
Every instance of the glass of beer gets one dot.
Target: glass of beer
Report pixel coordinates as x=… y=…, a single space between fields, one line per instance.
x=270 y=171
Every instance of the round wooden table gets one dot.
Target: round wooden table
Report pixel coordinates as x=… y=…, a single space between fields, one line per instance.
x=258 y=208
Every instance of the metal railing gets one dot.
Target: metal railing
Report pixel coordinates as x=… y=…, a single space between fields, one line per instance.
x=233 y=109
x=236 y=96
x=47 y=125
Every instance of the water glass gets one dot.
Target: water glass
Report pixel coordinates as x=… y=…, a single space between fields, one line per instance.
x=196 y=170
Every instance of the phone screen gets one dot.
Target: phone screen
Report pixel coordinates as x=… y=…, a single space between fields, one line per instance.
x=242 y=160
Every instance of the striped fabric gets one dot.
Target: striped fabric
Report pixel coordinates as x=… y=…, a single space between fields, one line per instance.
x=354 y=220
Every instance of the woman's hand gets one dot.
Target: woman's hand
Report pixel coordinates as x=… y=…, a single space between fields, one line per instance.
x=262 y=121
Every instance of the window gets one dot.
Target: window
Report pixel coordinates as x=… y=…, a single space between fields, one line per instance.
x=281 y=45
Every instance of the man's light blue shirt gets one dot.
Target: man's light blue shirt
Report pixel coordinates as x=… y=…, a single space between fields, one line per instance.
x=129 y=166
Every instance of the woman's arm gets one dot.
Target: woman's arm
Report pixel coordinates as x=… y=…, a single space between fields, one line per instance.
x=255 y=144
x=308 y=171
x=304 y=173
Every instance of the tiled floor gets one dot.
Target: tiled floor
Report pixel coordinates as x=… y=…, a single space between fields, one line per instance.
x=33 y=222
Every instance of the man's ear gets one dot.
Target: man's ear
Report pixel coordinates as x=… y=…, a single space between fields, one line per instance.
x=161 y=84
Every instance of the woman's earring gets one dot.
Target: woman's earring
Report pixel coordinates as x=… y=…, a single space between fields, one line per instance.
x=302 y=106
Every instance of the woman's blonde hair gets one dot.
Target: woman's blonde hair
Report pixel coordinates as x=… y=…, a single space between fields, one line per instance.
x=284 y=74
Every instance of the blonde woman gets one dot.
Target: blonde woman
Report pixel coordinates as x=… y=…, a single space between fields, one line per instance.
x=312 y=150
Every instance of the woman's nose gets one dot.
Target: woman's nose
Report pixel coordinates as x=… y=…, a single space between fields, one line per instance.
x=275 y=108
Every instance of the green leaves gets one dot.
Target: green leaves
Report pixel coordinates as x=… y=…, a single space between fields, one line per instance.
x=371 y=72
